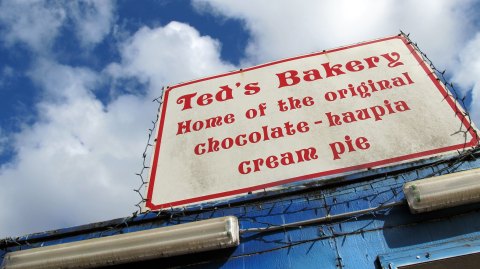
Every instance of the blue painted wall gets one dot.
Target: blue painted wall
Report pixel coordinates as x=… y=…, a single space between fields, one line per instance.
x=390 y=237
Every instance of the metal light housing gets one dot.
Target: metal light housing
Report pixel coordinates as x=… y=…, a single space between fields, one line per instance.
x=443 y=191
x=174 y=240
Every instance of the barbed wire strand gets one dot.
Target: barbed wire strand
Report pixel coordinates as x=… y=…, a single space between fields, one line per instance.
x=145 y=166
x=268 y=203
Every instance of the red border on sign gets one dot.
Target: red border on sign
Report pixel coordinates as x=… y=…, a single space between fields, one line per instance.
x=414 y=52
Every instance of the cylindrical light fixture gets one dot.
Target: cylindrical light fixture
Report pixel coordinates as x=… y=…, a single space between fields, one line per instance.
x=443 y=191
x=130 y=247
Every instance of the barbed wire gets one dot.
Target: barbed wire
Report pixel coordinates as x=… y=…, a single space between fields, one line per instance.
x=255 y=210
x=145 y=167
x=266 y=206
x=451 y=91
x=328 y=218
x=454 y=163
x=440 y=75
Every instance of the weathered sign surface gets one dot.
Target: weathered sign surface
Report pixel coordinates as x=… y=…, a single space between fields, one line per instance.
x=367 y=105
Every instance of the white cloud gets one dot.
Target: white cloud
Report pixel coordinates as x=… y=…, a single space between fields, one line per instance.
x=77 y=163
x=63 y=82
x=170 y=54
x=93 y=20
x=34 y=23
x=37 y=23
x=289 y=28
x=468 y=75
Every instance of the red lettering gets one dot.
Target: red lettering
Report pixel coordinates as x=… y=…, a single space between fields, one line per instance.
x=371 y=61
x=286 y=77
x=392 y=61
x=311 y=75
x=333 y=119
x=187 y=126
x=338 y=148
x=186 y=100
x=257 y=163
x=197 y=126
x=342 y=93
x=254 y=137
x=229 y=118
x=378 y=112
x=227 y=143
x=308 y=101
x=205 y=99
x=225 y=94
x=306 y=154
x=199 y=149
x=354 y=66
x=362 y=143
x=271 y=162
x=288 y=128
x=251 y=88
x=213 y=122
x=334 y=70
x=302 y=127
x=243 y=168
x=241 y=140
x=330 y=96
x=213 y=145
x=183 y=127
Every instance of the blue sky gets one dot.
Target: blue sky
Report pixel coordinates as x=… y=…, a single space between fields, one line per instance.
x=77 y=80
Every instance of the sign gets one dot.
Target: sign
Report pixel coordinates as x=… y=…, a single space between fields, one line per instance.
x=367 y=105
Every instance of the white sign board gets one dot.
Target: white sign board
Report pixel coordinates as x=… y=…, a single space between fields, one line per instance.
x=367 y=105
